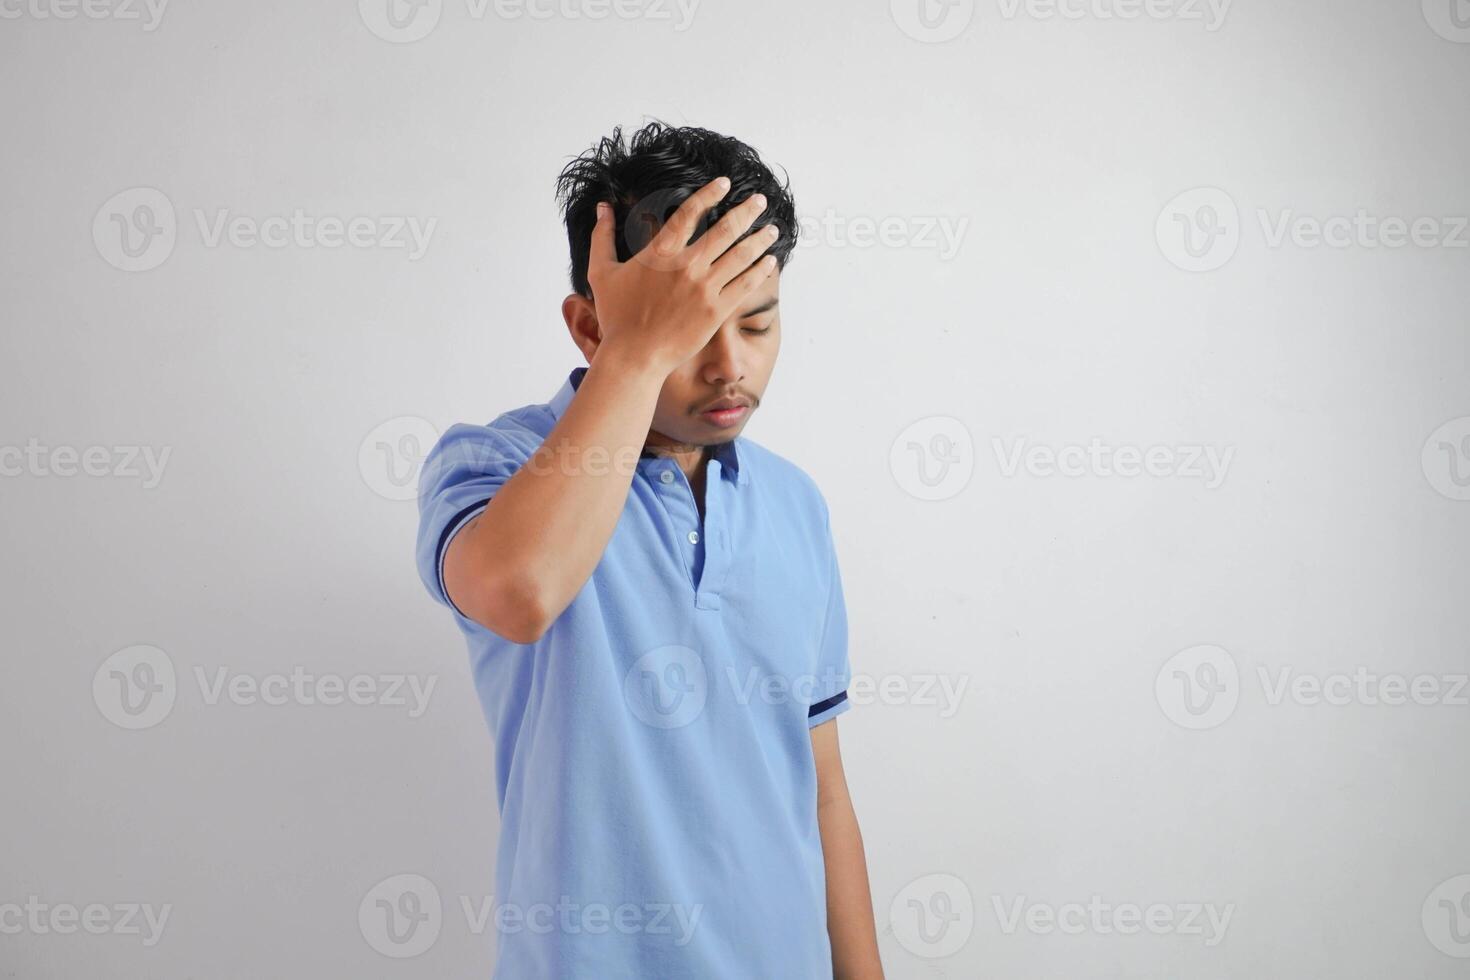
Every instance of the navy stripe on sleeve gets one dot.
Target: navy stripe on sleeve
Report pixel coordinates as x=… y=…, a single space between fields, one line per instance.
x=822 y=706
x=449 y=531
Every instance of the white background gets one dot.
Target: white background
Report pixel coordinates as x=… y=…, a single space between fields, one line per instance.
x=1071 y=766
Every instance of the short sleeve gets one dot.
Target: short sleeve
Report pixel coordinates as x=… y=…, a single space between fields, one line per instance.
x=834 y=671
x=460 y=475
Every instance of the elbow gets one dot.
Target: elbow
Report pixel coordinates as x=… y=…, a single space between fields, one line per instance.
x=513 y=609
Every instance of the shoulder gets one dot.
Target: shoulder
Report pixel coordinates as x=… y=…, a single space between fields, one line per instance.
x=498 y=447
x=514 y=433
x=784 y=482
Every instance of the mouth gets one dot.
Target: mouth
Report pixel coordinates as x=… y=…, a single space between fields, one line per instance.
x=726 y=412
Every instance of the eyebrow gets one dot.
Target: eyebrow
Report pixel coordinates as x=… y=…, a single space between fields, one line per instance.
x=768 y=304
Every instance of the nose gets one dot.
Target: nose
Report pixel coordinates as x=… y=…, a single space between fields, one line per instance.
x=723 y=363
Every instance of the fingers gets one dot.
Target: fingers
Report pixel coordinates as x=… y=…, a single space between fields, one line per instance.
x=604 y=249
x=734 y=262
x=713 y=243
x=748 y=281
x=677 y=231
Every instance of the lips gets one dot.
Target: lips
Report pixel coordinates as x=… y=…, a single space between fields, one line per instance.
x=725 y=403
x=726 y=413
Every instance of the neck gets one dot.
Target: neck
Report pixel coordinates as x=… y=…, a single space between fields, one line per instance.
x=689 y=458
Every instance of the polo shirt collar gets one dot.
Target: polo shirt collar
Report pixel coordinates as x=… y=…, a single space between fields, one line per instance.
x=726 y=452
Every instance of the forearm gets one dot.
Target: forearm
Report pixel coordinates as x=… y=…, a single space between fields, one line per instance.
x=849 y=902
x=523 y=560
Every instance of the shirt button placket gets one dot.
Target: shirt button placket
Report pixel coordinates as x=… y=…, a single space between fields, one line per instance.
x=681 y=507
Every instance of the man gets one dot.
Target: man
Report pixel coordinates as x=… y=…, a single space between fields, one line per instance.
x=653 y=607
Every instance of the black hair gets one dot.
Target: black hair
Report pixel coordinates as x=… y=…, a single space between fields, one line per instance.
x=649 y=178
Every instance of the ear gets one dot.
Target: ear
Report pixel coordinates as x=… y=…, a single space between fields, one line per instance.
x=581 y=317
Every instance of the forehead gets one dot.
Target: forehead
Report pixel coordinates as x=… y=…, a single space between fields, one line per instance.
x=768 y=290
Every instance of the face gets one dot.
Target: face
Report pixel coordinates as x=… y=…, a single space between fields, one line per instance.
x=709 y=398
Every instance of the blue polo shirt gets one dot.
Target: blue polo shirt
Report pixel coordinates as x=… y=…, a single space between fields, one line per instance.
x=653 y=761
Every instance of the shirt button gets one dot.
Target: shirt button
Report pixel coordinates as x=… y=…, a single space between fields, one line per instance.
x=667 y=476
x=694 y=537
